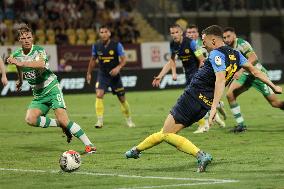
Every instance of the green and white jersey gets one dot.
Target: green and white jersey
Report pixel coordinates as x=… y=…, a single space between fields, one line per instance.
x=245 y=48
x=41 y=80
x=200 y=48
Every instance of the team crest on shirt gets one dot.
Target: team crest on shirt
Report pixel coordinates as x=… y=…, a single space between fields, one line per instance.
x=186 y=51
x=111 y=52
x=218 y=60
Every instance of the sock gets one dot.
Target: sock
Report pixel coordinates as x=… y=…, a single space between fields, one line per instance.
x=150 y=141
x=125 y=109
x=76 y=130
x=236 y=110
x=181 y=143
x=201 y=122
x=99 y=108
x=45 y=122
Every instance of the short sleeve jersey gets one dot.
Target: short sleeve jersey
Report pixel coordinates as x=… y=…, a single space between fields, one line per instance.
x=39 y=79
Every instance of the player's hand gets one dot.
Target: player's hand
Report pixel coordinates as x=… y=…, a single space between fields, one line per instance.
x=19 y=84
x=237 y=75
x=174 y=75
x=4 y=80
x=14 y=61
x=115 y=71
x=156 y=82
x=277 y=89
x=211 y=119
x=89 y=78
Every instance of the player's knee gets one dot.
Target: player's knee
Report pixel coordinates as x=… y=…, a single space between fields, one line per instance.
x=31 y=120
x=230 y=96
x=276 y=104
x=100 y=95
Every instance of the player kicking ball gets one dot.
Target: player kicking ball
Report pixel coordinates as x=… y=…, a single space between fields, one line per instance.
x=203 y=94
x=32 y=62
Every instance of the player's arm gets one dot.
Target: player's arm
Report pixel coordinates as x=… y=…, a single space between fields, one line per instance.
x=92 y=64
x=91 y=67
x=3 y=72
x=248 y=66
x=122 y=60
x=166 y=68
x=217 y=60
x=19 y=82
x=29 y=64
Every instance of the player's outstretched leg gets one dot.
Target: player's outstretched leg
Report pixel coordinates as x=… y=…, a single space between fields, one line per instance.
x=181 y=143
x=76 y=130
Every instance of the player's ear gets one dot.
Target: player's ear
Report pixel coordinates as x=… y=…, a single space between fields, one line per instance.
x=213 y=42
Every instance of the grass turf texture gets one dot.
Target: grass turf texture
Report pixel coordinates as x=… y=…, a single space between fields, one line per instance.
x=254 y=158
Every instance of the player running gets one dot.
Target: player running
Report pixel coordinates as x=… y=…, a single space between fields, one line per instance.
x=244 y=80
x=32 y=63
x=203 y=93
x=111 y=59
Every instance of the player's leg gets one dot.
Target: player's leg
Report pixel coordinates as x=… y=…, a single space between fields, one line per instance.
x=236 y=88
x=118 y=89
x=99 y=108
x=274 y=101
x=36 y=114
x=74 y=129
x=102 y=84
x=59 y=107
x=268 y=94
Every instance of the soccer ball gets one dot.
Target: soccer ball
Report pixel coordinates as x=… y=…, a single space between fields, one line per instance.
x=70 y=161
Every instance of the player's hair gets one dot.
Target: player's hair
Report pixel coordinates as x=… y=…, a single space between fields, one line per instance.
x=105 y=27
x=213 y=30
x=231 y=29
x=23 y=28
x=175 y=26
x=192 y=26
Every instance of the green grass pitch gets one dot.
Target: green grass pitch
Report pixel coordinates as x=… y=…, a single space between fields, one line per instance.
x=29 y=156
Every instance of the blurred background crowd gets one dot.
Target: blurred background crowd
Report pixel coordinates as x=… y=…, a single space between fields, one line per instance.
x=67 y=21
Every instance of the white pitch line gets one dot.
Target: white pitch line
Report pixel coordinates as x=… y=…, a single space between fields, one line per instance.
x=175 y=185
x=124 y=176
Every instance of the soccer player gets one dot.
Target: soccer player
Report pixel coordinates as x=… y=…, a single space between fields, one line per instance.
x=193 y=33
x=244 y=81
x=203 y=93
x=111 y=59
x=185 y=49
x=32 y=63
x=4 y=79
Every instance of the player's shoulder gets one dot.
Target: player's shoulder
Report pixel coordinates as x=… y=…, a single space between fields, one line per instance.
x=38 y=47
x=242 y=42
x=17 y=52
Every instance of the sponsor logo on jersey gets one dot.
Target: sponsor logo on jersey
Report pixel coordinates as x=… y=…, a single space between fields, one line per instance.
x=186 y=51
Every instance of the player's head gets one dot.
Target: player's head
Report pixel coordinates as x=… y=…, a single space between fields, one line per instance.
x=192 y=32
x=212 y=37
x=104 y=33
x=176 y=32
x=25 y=36
x=229 y=36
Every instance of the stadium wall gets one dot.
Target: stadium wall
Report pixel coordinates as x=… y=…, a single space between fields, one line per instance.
x=133 y=80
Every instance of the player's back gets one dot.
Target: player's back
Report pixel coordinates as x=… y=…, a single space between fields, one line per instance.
x=203 y=82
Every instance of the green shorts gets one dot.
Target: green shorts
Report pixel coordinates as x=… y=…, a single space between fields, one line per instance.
x=251 y=81
x=52 y=99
